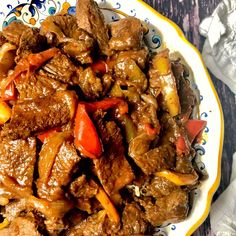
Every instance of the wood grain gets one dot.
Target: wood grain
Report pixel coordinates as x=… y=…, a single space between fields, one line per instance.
x=187 y=14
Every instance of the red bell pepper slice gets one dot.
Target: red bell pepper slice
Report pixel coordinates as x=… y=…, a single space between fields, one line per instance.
x=194 y=128
x=48 y=134
x=9 y=92
x=106 y=104
x=151 y=130
x=182 y=146
x=86 y=137
x=29 y=64
x=100 y=67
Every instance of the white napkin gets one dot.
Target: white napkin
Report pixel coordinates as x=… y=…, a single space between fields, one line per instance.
x=223 y=210
x=219 y=50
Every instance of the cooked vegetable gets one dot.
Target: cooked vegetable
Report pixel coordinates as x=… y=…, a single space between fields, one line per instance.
x=48 y=154
x=5 y=112
x=42 y=137
x=7 y=55
x=9 y=93
x=4 y=224
x=178 y=178
x=86 y=137
x=161 y=63
x=182 y=145
x=108 y=205
x=100 y=67
x=194 y=128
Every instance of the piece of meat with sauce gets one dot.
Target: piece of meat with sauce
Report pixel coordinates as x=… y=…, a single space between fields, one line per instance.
x=22 y=226
x=171 y=208
x=133 y=220
x=81 y=187
x=62 y=69
x=63 y=159
x=90 y=18
x=2 y=39
x=17 y=160
x=186 y=94
x=151 y=161
x=14 y=31
x=97 y=224
x=63 y=31
x=112 y=169
x=157 y=187
x=32 y=116
x=30 y=42
x=84 y=190
x=139 y=56
x=90 y=84
x=126 y=34
x=37 y=86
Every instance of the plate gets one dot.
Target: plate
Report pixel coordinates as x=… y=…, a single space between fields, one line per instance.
x=162 y=33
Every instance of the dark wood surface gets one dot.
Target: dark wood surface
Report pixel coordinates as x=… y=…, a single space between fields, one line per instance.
x=187 y=14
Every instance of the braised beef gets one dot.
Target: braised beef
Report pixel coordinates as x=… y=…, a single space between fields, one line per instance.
x=112 y=169
x=133 y=220
x=21 y=226
x=90 y=18
x=171 y=208
x=63 y=31
x=30 y=42
x=139 y=56
x=157 y=159
x=95 y=224
x=157 y=187
x=184 y=164
x=14 y=31
x=81 y=187
x=62 y=69
x=60 y=171
x=32 y=116
x=126 y=34
x=90 y=84
x=17 y=160
x=37 y=86
x=186 y=94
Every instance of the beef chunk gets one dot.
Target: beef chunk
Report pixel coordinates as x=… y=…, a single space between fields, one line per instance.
x=113 y=170
x=90 y=84
x=157 y=187
x=91 y=19
x=32 y=116
x=171 y=208
x=184 y=164
x=62 y=69
x=14 y=31
x=126 y=34
x=37 y=86
x=98 y=223
x=61 y=169
x=186 y=94
x=17 y=160
x=139 y=56
x=133 y=220
x=83 y=188
x=63 y=31
x=157 y=159
x=21 y=226
x=30 y=42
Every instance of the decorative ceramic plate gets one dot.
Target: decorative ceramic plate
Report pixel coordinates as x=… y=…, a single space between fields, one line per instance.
x=162 y=33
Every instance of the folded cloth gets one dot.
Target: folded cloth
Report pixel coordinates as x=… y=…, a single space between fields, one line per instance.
x=223 y=210
x=219 y=50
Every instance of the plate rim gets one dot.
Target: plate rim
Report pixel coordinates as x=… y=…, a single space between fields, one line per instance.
x=216 y=183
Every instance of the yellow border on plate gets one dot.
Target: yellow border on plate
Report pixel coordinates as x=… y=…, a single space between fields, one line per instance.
x=217 y=180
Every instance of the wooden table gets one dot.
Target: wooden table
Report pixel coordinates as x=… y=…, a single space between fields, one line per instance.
x=188 y=14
